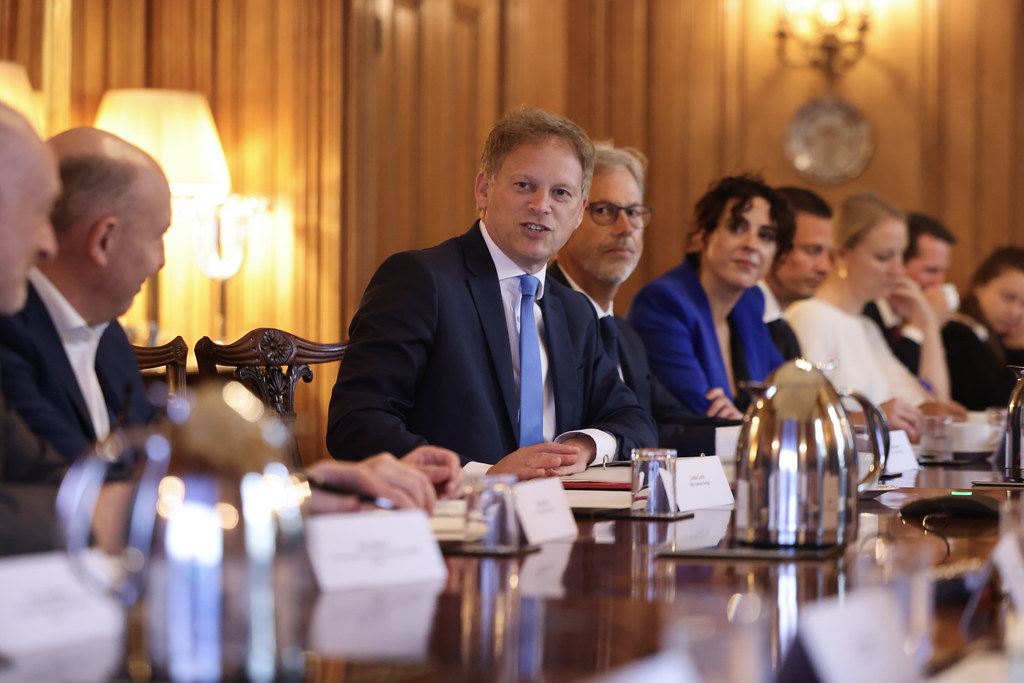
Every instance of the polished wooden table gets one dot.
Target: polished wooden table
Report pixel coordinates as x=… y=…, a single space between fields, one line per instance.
x=578 y=609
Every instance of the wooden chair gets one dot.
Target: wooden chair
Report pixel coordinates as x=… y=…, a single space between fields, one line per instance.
x=270 y=363
x=173 y=356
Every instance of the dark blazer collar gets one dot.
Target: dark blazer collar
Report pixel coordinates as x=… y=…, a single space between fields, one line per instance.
x=43 y=332
x=482 y=281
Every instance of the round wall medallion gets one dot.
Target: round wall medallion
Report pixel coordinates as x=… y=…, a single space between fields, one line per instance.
x=828 y=141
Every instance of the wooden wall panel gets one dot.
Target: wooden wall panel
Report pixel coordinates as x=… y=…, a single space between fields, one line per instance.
x=362 y=121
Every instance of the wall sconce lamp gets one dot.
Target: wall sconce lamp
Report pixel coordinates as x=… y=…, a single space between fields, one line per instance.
x=824 y=34
x=176 y=127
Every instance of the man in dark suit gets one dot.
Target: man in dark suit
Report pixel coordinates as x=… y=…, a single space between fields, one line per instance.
x=596 y=260
x=67 y=365
x=29 y=467
x=797 y=271
x=443 y=349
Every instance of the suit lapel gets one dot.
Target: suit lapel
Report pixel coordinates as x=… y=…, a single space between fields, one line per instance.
x=626 y=355
x=561 y=360
x=110 y=357
x=482 y=281
x=44 y=333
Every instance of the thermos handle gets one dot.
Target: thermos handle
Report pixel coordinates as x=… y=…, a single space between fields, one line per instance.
x=878 y=427
x=76 y=503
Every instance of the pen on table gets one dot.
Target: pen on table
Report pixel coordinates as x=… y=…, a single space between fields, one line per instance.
x=318 y=482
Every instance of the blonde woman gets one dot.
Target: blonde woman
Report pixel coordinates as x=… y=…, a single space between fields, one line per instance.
x=868 y=265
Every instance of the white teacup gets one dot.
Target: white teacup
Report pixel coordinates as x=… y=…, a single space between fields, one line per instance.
x=972 y=437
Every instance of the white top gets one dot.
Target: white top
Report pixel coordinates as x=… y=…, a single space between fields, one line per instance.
x=863 y=360
x=511 y=296
x=80 y=342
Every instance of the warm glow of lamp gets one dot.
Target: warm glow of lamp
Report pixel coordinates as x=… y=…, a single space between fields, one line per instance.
x=16 y=90
x=827 y=34
x=176 y=127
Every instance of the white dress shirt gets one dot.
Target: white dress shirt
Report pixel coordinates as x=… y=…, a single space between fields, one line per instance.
x=80 y=342
x=508 y=280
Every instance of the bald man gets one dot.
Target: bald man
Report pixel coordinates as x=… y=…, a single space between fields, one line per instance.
x=65 y=362
x=29 y=467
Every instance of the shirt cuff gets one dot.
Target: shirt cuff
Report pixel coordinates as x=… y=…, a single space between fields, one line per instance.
x=475 y=468
x=607 y=445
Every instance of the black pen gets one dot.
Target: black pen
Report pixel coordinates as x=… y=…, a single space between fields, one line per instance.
x=318 y=482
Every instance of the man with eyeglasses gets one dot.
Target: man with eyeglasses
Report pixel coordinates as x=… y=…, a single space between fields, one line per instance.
x=597 y=259
x=797 y=272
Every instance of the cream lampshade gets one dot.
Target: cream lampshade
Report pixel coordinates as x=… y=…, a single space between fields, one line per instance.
x=16 y=91
x=176 y=127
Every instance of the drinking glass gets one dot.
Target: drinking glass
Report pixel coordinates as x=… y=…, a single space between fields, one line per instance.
x=937 y=438
x=654 y=482
x=491 y=522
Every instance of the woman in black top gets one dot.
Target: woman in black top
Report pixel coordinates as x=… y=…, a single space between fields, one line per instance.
x=975 y=352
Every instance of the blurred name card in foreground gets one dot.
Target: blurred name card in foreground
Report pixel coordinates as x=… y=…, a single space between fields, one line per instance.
x=857 y=639
x=365 y=549
x=46 y=611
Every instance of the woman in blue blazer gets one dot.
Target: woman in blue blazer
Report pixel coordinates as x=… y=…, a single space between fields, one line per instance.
x=702 y=321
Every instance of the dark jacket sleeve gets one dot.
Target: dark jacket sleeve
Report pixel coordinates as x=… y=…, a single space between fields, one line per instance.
x=32 y=382
x=29 y=473
x=784 y=338
x=976 y=379
x=905 y=349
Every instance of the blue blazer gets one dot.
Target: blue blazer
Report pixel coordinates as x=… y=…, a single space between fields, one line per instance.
x=678 y=426
x=38 y=381
x=428 y=361
x=673 y=317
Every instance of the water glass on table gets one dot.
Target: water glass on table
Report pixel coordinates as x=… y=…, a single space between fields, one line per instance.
x=653 y=491
x=937 y=438
x=491 y=522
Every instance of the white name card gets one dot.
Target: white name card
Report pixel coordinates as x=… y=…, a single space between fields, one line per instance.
x=44 y=605
x=1008 y=560
x=544 y=511
x=901 y=454
x=701 y=483
x=365 y=549
x=857 y=639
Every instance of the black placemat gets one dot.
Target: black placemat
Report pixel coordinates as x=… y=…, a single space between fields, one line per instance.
x=750 y=552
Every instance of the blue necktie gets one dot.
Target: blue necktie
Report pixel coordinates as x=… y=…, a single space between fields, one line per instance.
x=610 y=337
x=531 y=381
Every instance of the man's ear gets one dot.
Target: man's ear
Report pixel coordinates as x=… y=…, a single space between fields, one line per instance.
x=100 y=239
x=482 y=187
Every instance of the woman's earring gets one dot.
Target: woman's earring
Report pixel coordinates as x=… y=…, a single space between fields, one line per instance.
x=842 y=272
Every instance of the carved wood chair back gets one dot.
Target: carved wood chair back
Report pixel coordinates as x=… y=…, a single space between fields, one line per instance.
x=270 y=362
x=172 y=356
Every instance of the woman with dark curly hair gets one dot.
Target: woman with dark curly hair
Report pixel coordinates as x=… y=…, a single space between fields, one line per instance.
x=975 y=353
x=702 y=321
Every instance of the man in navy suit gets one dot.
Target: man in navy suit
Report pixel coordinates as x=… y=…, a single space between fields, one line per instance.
x=30 y=468
x=434 y=351
x=67 y=365
x=596 y=260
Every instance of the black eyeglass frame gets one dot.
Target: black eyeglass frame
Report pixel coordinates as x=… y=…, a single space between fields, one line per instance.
x=644 y=216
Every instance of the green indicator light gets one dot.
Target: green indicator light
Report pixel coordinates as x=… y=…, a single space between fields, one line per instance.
x=961 y=493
